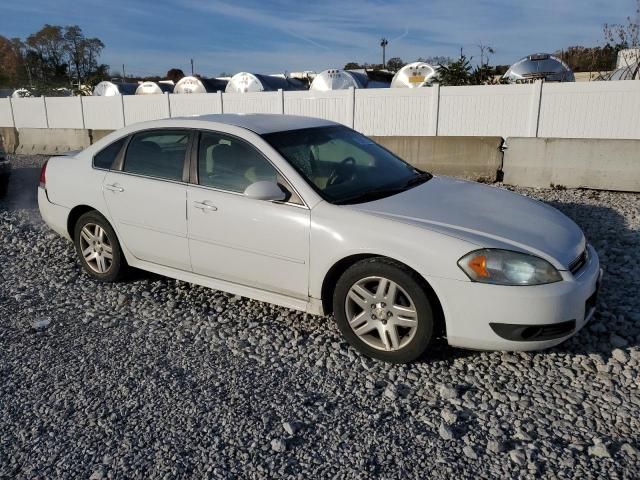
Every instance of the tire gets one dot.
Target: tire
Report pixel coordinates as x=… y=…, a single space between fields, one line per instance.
x=92 y=227
x=376 y=297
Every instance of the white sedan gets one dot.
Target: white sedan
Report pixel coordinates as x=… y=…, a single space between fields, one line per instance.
x=311 y=215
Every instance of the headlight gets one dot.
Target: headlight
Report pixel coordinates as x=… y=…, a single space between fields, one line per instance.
x=504 y=267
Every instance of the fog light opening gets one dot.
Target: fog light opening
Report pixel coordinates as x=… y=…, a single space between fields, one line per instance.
x=530 y=332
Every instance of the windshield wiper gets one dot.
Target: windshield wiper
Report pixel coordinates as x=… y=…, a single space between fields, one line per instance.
x=419 y=179
x=378 y=193
x=370 y=195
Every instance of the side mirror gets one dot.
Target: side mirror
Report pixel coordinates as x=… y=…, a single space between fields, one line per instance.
x=265 y=190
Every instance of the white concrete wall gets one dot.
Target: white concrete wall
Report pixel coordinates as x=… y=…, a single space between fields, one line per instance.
x=489 y=110
x=258 y=102
x=64 y=112
x=103 y=113
x=29 y=112
x=590 y=110
x=568 y=110
x=6 y=117
x=195 y=104
x=611 y=164
x=396 y=111
x=141 y=108
x=336 y=106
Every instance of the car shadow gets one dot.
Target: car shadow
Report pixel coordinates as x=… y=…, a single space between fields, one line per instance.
x=22 y=192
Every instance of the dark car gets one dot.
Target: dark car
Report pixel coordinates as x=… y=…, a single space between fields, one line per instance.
x=5 y=169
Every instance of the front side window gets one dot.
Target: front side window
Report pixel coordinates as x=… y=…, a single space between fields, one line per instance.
x=231 y=164
x=344 y=166
x=105 y=157
x=158 y=153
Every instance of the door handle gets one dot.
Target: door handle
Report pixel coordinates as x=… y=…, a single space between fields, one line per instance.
x=205 y=206
x=114 y=187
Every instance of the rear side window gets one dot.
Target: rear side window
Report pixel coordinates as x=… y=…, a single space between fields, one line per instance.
x=158 y=154
x=105 y=157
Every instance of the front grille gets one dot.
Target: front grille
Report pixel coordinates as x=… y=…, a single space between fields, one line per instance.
x=579 y=262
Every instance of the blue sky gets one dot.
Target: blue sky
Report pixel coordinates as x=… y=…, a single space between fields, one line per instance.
x=273 y=36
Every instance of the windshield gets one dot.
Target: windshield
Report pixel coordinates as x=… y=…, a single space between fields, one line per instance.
x=344 y=166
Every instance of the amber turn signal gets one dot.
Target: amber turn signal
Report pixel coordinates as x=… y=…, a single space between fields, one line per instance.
x=479 y=265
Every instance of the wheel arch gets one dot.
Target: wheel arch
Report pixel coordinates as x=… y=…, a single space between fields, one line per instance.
x=334 y=273
x=75 y=213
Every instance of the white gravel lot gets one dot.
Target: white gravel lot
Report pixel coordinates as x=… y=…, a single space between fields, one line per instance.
x=156 y=378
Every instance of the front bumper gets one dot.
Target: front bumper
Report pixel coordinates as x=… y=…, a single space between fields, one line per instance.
x=494 y=317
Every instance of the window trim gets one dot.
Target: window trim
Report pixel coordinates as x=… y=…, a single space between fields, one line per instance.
x=117 y=157
x=193 y=168
x=118 y=164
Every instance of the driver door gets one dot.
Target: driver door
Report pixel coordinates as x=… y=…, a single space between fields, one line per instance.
x=256 y=243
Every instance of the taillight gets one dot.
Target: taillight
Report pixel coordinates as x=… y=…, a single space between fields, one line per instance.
x=43 y=174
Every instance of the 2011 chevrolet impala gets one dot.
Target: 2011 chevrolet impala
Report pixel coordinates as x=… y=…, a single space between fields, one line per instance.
x=314 y=216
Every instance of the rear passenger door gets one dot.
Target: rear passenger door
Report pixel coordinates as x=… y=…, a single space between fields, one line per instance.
x=146 y=196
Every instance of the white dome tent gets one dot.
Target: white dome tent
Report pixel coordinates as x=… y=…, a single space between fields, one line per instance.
x=111 y=89
x=629 y=72
x=414 y=75
x=334 y=79
x=244 y=82
x=539 y=66
x=153 y=88
x=199 y=85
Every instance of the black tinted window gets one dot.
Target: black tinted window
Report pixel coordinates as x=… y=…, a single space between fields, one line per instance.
x=230 y=164
x=157 y=154
x=106 y=156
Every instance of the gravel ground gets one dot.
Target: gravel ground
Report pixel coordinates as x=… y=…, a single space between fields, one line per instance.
x=156 y=378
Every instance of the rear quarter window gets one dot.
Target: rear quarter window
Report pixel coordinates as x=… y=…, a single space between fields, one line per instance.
x=105 y=157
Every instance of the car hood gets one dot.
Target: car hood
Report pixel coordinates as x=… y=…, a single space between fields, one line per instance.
x=485 y=216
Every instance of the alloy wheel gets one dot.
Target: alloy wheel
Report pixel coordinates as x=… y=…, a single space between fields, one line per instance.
x=96 y=248
x=381 y=313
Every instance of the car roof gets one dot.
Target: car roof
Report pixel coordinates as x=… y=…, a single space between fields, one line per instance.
x=262 y=123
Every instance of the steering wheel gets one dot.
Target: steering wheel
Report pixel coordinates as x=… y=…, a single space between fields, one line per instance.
x=345 y=171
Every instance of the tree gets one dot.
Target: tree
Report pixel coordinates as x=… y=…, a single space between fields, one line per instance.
x=456 y=73
x=82 y=53
x=11 y=62
x=50 y=58
x=394 y=64
x=175 y=74
x=352 y=66
x=485 y=52
x=625 y=35
x=46 y=54
x=589 y=59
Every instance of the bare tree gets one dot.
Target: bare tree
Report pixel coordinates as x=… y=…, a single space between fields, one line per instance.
x=626 y=36
x=485 y=52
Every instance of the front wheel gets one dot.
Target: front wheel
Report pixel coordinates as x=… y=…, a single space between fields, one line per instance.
x=383 y=311
x=98 y=248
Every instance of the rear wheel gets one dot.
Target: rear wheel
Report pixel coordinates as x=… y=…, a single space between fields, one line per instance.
x=383 y=311
x=98 y=248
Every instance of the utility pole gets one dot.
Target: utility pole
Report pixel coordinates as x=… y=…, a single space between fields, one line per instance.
x=123 y=74
x=383 y=43
x=192 y=67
